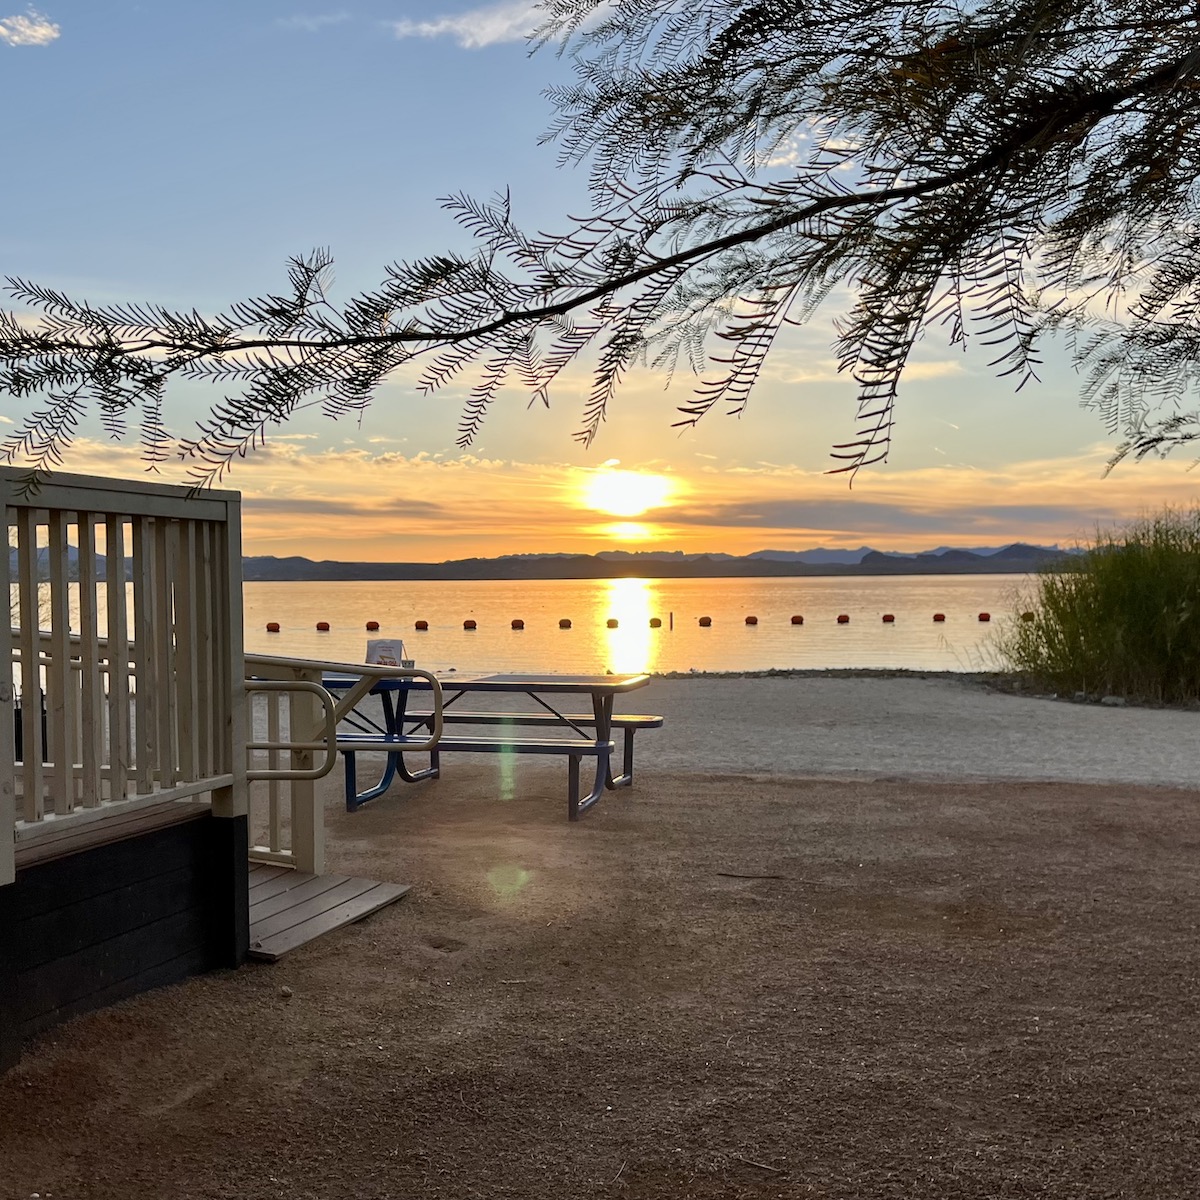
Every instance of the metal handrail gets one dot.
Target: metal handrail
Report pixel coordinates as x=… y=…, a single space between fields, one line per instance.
x=368 y=675
x=328 y=743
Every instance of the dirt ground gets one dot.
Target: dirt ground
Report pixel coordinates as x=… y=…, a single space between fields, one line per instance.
x=711 y=986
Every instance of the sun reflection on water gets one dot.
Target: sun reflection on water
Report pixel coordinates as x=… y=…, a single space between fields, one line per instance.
x=630 y=648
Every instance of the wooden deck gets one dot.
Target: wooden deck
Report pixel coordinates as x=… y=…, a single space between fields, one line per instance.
x=289 y=908
x=56 y=838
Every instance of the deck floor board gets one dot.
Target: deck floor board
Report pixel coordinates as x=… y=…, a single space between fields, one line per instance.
x=290 y=908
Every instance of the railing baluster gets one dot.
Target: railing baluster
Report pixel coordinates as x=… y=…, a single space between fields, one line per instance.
x=274 y=838
x=60 y=681
x=221 y=634
x=146 y=682
x=205 y=653
x=32 y=774
x=91 y=708
x=164 y=650
x=119 y=741
x=186 y=651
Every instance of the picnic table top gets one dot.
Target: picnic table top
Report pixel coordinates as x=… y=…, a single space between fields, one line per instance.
x=546 y=682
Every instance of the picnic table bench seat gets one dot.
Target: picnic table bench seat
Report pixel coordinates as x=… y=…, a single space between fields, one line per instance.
x=395 y=743
x=630 y=723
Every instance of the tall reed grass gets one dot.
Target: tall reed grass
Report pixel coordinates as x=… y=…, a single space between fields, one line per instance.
x=1122 y=619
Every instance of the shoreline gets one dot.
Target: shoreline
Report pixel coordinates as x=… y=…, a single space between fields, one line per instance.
x=1009 y=683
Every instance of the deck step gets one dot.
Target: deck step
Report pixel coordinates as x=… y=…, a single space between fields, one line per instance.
x=290 y=908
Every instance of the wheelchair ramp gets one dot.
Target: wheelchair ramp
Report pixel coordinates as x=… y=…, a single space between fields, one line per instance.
x=289 y=908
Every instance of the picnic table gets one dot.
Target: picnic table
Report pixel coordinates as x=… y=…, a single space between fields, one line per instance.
x=574 y=735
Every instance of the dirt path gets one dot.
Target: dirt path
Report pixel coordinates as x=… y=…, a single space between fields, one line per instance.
x=717 y=985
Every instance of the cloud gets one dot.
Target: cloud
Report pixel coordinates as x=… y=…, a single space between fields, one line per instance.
x=367 y=507
x=313 y=24
x=477 y=27
x=870 y=518
x=32 y=29
x=787 y=368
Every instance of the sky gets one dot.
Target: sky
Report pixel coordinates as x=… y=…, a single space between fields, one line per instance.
x=179 y=152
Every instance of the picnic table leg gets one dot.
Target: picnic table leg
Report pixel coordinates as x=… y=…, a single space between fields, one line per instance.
x=393 y=717
x=602 y=709
x=394 y=766
x=576 y=806
x=354 y=798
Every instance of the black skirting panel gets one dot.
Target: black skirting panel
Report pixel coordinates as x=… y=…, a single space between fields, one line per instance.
x=87 y=930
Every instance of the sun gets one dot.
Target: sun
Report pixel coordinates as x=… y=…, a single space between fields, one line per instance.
x=625 y=493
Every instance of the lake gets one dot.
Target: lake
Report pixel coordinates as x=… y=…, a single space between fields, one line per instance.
x=914 y=640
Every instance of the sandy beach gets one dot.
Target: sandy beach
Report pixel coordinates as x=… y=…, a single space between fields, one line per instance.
x=847 y=936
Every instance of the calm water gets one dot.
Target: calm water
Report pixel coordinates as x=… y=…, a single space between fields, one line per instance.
x=915 y=641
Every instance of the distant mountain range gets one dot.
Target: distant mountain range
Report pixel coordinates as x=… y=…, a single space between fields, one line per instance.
x=1017 y=558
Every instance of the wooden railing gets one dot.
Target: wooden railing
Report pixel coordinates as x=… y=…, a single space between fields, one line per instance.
x=126 y=626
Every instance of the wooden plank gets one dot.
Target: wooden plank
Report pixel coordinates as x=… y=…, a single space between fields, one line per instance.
x=72 y=838
x=308 y=817
x=230 y=696
x=203 y=595
x=284 y=882
x=32 y=775
x=260 y=872
x=274 y=786
x=73 y=927
x=174 y=970
x=91 y=696
x=225 y=609
x=101 y=494
x=61 y=716
x=104 y=867
x=186 y=649
x=118 y=659
x=262 y=907
x=146 y=692
x=164 y=650
x=269 y=949
x=73 y=977
x=345 y=890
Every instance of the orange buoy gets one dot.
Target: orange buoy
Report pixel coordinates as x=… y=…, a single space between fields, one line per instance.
x=565 y=623
x=797 y=620
x=751 y=620
x=518 y=624
x=272 y=626
x=889 y=618
x=705 y=622
x=939 y=616
x=469 y=624
x=656 y=622
x=322 y=626
x=612 y=622
x=1027 y=616
x=985 y=616
x=372 y=625
x=422 y=625
x=843 y=619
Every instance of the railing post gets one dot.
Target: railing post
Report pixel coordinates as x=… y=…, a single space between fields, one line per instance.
x=234 y=801
x=308 y=824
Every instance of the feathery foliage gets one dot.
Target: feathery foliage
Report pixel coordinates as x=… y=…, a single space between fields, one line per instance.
x=1123 y=619
x=994 y=169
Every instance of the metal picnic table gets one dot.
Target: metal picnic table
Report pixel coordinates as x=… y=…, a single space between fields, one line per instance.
x=545 y=691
